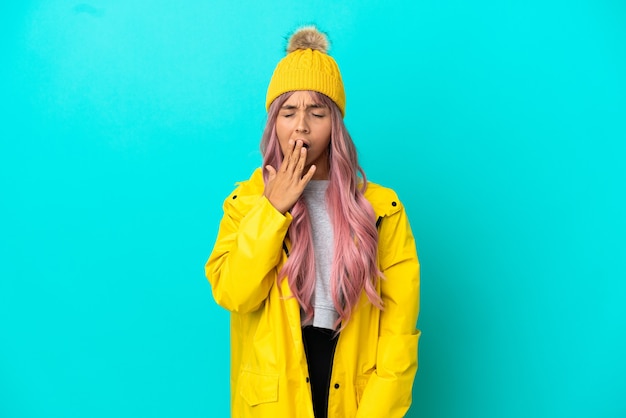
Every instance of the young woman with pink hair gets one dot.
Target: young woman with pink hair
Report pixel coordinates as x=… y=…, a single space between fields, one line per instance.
x=317 y=266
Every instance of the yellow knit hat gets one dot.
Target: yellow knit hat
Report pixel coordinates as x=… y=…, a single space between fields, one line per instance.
x=307 y=66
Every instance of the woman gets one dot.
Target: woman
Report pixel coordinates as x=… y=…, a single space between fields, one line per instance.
x=317 y=266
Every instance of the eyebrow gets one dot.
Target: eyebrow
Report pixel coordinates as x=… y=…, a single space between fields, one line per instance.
x=309 y=106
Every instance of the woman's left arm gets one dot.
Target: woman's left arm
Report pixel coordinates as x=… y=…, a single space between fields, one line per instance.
x=389 y=390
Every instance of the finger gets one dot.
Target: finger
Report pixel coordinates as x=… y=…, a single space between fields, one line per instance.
x=287 y=157
x=271 y=171
x=309 y=175
x=295 y=155
x=301 y=161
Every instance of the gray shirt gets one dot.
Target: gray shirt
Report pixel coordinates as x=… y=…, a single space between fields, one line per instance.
x=314 y=195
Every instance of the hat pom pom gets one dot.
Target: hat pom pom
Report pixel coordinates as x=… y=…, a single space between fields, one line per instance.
x=308 y=37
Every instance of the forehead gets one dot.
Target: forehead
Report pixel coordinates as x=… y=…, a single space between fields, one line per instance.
x=301 y=98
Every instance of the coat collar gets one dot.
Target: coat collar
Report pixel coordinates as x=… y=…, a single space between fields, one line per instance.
x=384 y=201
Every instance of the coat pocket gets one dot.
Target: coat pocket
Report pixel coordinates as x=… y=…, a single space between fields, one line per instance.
x=359 y=386
x=257 y=388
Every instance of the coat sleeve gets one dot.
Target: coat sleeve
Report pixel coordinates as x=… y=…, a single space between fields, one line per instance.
x=389 y=390
x=241 y=267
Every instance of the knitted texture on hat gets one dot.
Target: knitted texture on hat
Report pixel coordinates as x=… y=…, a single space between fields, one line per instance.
x=307 y=66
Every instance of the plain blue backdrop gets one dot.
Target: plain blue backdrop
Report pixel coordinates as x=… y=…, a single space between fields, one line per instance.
x=124 y=124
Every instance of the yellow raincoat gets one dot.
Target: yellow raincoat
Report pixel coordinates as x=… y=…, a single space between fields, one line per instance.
x=376 y=356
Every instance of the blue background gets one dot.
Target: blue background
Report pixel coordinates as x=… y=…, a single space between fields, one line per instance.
x=124 y=124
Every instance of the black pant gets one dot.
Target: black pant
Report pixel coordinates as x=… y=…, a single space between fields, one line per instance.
x=319 y=346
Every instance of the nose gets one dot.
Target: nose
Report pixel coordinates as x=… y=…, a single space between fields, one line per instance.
x=301 y=125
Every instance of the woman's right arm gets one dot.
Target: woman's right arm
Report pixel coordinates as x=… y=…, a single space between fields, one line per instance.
x=249 y=246
x=241 y=268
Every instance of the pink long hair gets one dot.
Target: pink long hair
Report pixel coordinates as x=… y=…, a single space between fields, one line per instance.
x=354 y=267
